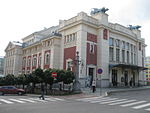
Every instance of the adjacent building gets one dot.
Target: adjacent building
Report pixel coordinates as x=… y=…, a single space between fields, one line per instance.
x=13 y=59
x=117 y=50
x=147 y=65
x=1 y=66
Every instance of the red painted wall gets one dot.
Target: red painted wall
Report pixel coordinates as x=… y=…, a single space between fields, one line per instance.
x=91 y=37
x=91 y=57
x=69 y=53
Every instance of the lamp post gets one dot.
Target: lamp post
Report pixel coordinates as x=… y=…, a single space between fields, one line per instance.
x=76 y=85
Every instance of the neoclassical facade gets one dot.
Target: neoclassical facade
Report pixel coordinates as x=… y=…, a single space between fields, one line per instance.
x=118 y=50
x=13 y=59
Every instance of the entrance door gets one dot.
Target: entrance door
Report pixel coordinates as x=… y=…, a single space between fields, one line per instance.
x=126 y=78
x=91 y=73
x=114 y=77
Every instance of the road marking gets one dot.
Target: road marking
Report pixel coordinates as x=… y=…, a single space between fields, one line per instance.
x=141 y=106
x=134 y=103
x=148 y=109
x=122 y=102
x=96 y=101
x=89 y=98
x=86 y=99
x=6 y=101
x=113 y=101
x=28 y=100
x=59 y=99
x=15 y=100
x=50 y=99
x=38 y=99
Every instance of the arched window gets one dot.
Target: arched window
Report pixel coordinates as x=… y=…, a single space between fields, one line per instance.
x=34 y=61
x=47 y=58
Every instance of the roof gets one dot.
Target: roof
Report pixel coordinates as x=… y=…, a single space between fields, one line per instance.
x=17 y=43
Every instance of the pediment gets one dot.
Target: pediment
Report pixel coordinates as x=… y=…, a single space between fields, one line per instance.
x=9 y=46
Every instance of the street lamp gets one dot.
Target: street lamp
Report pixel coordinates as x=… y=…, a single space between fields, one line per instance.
x=76 y=85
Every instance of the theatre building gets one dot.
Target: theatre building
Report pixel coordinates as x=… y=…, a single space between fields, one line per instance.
x=117 y=50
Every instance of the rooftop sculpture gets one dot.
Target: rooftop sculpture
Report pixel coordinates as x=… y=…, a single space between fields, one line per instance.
x=96 y=10
x=134 y=27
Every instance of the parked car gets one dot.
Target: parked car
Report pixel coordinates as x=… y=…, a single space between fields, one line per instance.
x=11 y=90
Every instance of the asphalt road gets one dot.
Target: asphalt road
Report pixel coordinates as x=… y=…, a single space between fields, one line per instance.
x=27 y=104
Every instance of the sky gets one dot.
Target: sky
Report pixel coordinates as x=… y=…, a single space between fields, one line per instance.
x=20 y=18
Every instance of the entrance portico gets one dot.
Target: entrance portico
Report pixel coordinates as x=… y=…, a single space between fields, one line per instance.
x=124 y=75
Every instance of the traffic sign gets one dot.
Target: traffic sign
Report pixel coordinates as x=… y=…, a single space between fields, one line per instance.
x=54 y=74
x=99 y=71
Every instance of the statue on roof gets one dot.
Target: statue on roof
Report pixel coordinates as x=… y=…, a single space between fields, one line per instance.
x=134 y=27
x=96 y=10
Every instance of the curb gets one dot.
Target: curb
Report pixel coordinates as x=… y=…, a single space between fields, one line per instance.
x=124 y=90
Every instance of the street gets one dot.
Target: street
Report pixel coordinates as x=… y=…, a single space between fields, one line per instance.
x=122 y=102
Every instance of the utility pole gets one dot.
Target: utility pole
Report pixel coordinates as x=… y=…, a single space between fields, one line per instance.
x=76 y=85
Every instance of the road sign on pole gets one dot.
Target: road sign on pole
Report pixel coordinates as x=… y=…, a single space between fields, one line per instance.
x=99 y=71
x=54 y=74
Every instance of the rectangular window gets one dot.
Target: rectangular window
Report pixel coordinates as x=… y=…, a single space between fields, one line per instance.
x=111 y=41
x=34 y=61
x=127 y=46
x=131 y=48
x=123 y=45
x=117 y=55
x=131 y=58
x=139 y=46
x=127 y=56
x=117 y=43
x=111 y=53
x=123 y=56
x=134 y=58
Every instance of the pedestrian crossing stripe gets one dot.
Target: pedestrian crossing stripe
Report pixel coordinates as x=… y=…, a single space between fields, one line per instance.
x=27 y=100
x=141 y=106
x=112 y=101
x=122 y=102
x=15 y=100
x=6 y=101
x=135 y=104
x=103 y=100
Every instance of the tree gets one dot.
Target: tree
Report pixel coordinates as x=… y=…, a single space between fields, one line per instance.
x=48 y=79
x=39 y=73
x=9 y=79
x=68 y=77
x=21 y=80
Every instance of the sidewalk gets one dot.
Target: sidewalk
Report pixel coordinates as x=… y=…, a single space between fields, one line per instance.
x=108 y=91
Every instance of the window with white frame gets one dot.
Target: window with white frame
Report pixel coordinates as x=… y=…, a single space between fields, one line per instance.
x=34 y=61
x=40 y=59
x=29 y=62
x=111 y=54
x=111 y=41
x=127 y=46
x=123 y=56
x=69 y=64
x=123 y=44
x=117 y=43
x=127 y=56
x=117 y=55
x=24 y=62
x=47 y=58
